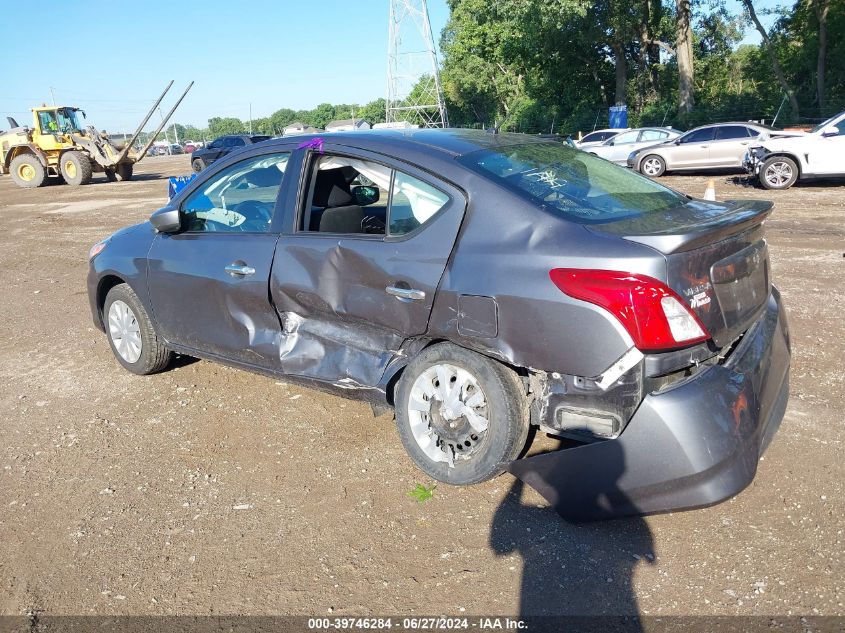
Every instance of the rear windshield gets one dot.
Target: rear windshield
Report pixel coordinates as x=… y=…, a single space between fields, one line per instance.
x=575 y=184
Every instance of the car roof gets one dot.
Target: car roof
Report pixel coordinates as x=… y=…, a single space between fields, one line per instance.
x=450 y=141
x=743 y=123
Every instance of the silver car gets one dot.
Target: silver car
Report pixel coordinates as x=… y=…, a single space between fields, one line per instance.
x=618 y=148
x=717 y=146
x=598 y=137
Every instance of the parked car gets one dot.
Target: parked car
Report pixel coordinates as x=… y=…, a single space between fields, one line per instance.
x=480 y=284
x=598 y=137
x=617 y=148
x=175 y=148
x=189 y=148
x=779 y=163
x=219 y=147
x=715 y=146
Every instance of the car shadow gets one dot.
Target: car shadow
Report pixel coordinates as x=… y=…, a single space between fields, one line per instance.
x=574 y=569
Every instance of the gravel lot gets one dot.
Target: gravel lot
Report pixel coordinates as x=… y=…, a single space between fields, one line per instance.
x=207 y=490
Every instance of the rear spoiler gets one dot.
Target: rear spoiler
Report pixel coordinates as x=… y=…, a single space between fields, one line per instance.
x=690 y=226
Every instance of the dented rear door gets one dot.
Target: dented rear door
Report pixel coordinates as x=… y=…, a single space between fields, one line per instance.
x=341 y=322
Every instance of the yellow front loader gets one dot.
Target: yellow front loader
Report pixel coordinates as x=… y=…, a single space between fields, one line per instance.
x=58 y=144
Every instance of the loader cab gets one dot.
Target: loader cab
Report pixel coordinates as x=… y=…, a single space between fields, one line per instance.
x=58 y=120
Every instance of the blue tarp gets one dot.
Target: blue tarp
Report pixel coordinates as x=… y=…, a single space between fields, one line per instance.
x=176 y=183
x=619 y=116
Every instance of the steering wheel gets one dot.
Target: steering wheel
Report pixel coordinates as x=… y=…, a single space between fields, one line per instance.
x=258 y=215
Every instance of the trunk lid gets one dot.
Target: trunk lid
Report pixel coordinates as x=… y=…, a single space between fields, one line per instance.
x=716 y=259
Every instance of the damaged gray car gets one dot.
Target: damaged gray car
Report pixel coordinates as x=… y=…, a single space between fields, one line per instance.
x=480 y=285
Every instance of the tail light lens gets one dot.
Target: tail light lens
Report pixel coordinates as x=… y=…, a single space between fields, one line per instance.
x=654 y=316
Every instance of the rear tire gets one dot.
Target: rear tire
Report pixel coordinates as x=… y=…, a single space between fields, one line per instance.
x=124 y=171
x=197 y=165
x=778 y=172
x=653 y=166
x=437 y=432
x=75 y=168
x=131 y=334
x=27 y=171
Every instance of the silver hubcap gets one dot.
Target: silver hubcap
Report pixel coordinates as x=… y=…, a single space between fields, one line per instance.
x=448 y=413
x=125 y=331
x=651 y=167
x=778 y=174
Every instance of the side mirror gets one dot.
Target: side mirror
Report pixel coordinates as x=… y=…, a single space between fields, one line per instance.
x=611 y=143
x=166 y=220
x=830 y=130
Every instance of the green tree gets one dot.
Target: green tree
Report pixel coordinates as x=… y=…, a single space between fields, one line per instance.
x=218 y=126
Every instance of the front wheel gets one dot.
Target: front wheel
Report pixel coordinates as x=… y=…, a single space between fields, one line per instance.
x=75 y=168
x=461 y=416
x=778 y=172
x=132 y=337
x=653 y=166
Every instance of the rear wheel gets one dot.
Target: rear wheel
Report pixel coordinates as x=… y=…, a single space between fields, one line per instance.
x=778 y=172
x=75 y=168
x=461 y=416
x=124 y=171
x=197 y=165
x=653 y=166
x=27 y=171
x=131 y=334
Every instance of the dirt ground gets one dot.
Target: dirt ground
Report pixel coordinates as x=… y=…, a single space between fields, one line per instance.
x=207 y=490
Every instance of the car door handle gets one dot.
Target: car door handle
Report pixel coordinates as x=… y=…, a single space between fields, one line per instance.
x=745 y=143
x=405 y=294
x=239 y=270
x=704 y=146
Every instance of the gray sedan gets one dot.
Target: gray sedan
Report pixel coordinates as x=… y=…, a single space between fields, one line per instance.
x=719 y=146
x=479 y=285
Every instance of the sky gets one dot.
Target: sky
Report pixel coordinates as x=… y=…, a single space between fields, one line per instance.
x=271 y=54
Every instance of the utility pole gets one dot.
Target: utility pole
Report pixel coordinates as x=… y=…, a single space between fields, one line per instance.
x=414 y=93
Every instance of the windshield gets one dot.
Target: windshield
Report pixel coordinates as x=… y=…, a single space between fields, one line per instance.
x=575 y=184
x=69 y=120
x=823 y=125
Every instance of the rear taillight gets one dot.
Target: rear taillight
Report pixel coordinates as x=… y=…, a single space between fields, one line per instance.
x=654 y=316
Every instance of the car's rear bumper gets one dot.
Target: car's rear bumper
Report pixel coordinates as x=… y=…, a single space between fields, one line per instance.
x=691 y=445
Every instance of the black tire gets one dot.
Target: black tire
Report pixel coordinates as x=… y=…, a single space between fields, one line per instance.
x=124 y=171
x=27 y=171
x=778 y=172
x=110 y=175
x=653 y=166
x=505 y=409
x=197 y=165
x=154 y=355
x=75 y=168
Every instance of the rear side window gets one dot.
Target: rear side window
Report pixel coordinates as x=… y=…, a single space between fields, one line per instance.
x=653 y=135
x=728 y=132
x=625 y=137
x=572 y=183
x=355 y=196
x=258 y=139
x=699 y=136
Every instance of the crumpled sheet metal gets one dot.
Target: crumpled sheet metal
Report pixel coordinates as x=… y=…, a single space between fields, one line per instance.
x=349 y=357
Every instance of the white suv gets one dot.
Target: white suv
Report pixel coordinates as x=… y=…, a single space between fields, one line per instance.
x=780 y=162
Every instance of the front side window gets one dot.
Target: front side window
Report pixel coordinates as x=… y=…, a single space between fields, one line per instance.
x=355 y=196
x=241 y=198
x=235 y=141
x=49 y=122
x=216 y=144
x=699 y=136
x=572 y=183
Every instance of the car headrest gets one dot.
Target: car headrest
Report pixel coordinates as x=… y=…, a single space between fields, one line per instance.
x=331 y=189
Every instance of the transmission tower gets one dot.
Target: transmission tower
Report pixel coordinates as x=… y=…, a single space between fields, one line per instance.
x=414 y=93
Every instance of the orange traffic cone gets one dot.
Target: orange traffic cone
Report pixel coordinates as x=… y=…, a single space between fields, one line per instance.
x=710 y=192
